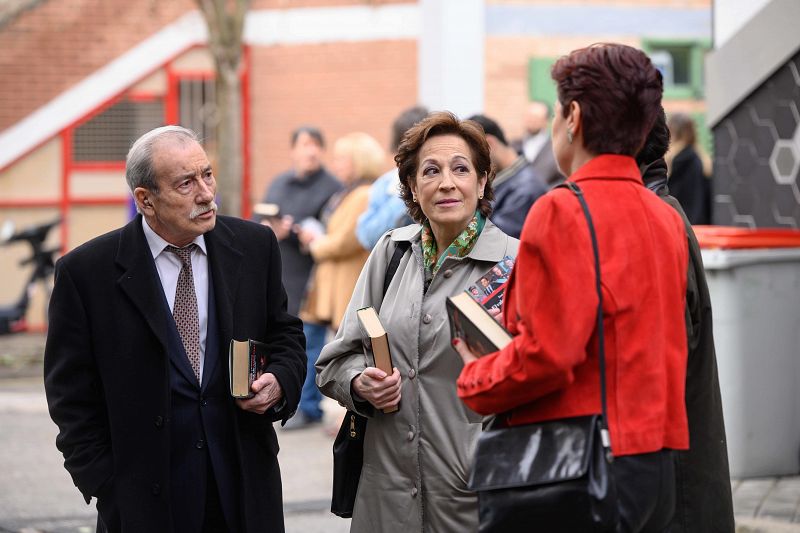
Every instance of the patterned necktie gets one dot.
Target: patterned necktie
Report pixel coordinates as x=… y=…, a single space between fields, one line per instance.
x=185 y=309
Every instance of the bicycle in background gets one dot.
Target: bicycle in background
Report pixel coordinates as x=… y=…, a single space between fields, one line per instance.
x=12 y=316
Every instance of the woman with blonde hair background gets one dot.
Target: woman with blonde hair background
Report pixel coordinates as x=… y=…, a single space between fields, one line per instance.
x=358 y=159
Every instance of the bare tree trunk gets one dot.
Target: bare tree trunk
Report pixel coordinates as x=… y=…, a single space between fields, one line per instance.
x=225 y=20
x=230 y=164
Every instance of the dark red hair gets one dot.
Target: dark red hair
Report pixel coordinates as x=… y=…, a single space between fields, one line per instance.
x=619 y=91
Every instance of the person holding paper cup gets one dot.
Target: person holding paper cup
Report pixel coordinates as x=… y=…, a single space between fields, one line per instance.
x=416 y=460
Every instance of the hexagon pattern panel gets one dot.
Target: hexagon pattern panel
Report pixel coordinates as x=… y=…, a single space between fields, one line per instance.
x=757 y=156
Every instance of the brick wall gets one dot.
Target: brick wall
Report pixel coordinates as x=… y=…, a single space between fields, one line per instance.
x=507 y=75
x=507 y=72
x=623 y=3
x=340 y=87
x=56 y=44
x=291 y=4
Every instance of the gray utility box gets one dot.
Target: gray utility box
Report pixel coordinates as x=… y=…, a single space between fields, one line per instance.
x=755 y=296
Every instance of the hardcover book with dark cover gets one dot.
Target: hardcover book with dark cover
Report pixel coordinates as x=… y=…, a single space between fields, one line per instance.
x=472 y=323
x=247 y=360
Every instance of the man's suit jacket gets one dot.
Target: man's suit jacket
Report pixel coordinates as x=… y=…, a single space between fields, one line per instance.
x=108 y=371
x=545 y=164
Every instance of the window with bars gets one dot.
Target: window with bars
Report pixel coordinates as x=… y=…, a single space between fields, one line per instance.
x=197 y=108
x=108 y=136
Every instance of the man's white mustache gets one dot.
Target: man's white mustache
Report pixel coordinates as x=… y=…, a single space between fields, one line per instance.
x=203 y=208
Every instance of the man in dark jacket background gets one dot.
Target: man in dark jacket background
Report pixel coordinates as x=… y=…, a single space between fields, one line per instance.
x=302 y=194
x=136 y=361
x=702 y=478
x=537 y=145
x=516 y=185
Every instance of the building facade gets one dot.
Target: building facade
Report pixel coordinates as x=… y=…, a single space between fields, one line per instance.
x=83 y=78
x=754 y=98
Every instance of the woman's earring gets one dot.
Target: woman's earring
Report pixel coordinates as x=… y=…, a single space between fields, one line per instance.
x=569 y=136
x=414 y=198
x=480 y=196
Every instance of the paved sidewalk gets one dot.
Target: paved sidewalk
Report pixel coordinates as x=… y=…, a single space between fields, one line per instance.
x=37 y=495
x=767 y=504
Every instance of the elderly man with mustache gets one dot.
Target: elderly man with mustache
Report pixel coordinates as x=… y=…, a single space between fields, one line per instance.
x=136 y=369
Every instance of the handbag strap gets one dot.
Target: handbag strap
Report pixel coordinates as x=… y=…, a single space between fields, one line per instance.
x=604 y=433
x=394 y=262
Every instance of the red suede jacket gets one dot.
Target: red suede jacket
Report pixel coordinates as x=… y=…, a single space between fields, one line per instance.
x=550 y=370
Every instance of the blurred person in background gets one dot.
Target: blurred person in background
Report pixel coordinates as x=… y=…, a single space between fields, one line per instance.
x=516 y=185
x=536 y=144
x=689 y=169
x=386 y=209
x=358 y=160
x=416 y=460
x=301 y=192
x=703 y=499
x=608 y=98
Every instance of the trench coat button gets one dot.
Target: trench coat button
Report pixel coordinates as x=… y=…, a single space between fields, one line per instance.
x=448 y=273
x=156 y=489
x=200 y=444
x=203 y=402
x=414 y=492
x=410 y=434
x=412 y=374
x=159 y=422
x=427 y=318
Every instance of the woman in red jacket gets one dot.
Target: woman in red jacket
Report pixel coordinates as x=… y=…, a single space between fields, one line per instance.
x=608 y=99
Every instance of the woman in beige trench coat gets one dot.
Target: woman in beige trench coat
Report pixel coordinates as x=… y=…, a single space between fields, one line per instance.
x=416 y=460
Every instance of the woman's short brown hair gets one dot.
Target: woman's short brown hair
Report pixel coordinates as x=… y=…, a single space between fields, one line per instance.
x=443 y=123
x=619 y=91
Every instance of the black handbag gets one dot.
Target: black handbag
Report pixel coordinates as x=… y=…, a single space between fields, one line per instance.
x=348 y=457
x=348 y=447
x=550 y=476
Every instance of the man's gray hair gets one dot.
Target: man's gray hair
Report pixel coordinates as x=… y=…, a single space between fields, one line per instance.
x=139 y=170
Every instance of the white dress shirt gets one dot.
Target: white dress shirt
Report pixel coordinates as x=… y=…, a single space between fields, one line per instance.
x=534 y=144
x=169 y=267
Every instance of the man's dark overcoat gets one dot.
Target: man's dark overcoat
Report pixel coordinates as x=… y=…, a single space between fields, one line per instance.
x=703 y=502
x=108 y=374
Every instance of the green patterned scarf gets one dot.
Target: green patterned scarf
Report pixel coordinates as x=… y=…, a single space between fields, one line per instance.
x=461 y=246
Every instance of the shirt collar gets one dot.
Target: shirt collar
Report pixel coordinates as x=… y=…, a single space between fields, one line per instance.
x=609 y=167
x=540 y=135
x=157 y=244
x=492 y=243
